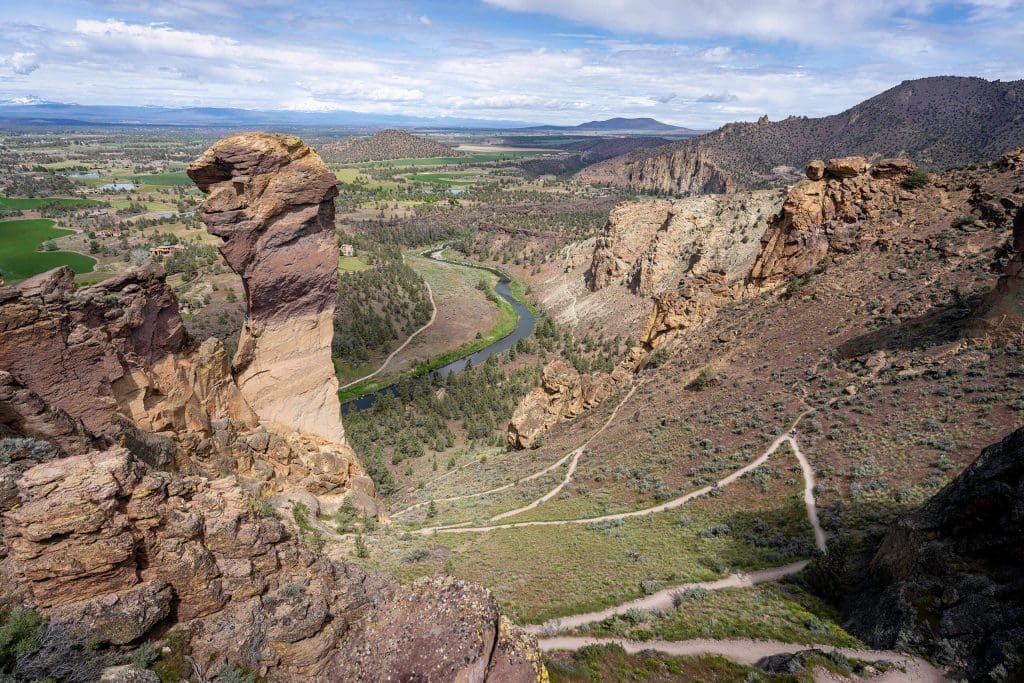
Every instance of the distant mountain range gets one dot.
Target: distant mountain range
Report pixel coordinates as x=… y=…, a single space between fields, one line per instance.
x=619 y=125
x=58 y=113
x=937 y=122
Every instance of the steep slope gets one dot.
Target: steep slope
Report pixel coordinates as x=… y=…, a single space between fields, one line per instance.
x=937 y=122
x=946 y=580
x=141 y=481
x=383 y=145
x=586 y=152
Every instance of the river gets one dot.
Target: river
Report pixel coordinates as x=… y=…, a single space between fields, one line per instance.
x=524 y=328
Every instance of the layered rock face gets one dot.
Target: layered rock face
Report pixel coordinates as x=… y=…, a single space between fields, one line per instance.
x=50 y=333
x=563 y=394
x=108 y=548
x=136 y=481
x=688 y=169
x=271 y=199
x=838 y=206
x=947 y=578
x=652 y=246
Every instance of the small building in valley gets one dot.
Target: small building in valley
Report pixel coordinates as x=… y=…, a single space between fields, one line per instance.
x=348 y=250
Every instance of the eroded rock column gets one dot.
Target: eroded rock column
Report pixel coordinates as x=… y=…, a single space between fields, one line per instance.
x=271 y=199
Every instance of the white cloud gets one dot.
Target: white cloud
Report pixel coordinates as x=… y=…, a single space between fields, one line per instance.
x=802 y=21
x=22 y=63
x=425 y=20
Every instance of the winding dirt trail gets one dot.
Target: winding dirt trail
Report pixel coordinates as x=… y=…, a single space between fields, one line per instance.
x=573 y=454
x=663 y=598
x=907 y=669
x=433 y=317
x=675 y=502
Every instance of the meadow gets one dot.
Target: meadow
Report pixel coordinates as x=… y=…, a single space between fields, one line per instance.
x=19 y=257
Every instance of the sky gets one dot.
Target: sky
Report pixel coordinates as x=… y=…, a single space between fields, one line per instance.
x=697 y=64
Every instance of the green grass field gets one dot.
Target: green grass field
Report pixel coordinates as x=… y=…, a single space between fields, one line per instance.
x=470 y=158
x=442 y=178
x=28 y=203
x=349 y=264
x=19 y=258
x=171 y=179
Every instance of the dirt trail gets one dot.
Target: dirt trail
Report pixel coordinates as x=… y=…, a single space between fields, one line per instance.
x=663 y=598
x=908 y=669
x=433 y=317
x=669 y=505
x=574 y=454
x=575 y=461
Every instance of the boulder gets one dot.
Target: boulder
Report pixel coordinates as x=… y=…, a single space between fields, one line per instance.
x=816 y=170
x=847 y=167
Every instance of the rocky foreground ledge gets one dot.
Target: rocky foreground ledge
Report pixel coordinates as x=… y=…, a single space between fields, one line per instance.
x=140 y=472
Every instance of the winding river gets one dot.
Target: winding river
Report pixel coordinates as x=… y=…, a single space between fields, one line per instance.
x=525 y=322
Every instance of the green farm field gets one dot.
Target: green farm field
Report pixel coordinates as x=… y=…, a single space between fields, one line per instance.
x=29 y=203
x=19 y=258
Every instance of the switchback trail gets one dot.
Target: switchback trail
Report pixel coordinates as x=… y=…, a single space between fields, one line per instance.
x=433 y=317
x=906 y=668
x=574 y=454
x=675 y=502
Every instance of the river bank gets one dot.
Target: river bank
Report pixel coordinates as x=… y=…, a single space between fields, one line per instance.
x=517 y=320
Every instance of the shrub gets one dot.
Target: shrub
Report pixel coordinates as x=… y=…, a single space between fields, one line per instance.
x=916 y=179
x=702 y=381
x=229 y=673
x=416 y=555
x=144 y=655
x=21 y=633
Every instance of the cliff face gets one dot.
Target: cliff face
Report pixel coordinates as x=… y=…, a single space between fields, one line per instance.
x=837 y=207
x=1001 y=315
x=137 y=472
x=271 y=199
x=947 y=578
x=652 y=246
x=677 y=170
x=563 y=394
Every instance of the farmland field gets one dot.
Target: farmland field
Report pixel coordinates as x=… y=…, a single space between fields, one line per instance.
x=19 y=258
x=28 y=203
x=172 y=178
x=442 y=178
x=348 y=264
x=471 y=158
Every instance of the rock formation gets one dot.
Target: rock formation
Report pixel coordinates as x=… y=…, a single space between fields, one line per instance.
x=271 y=199
x=1001 y=315
x=829 y=211
x=654 y=245
x=137 y=481
x=947 y=578
x=108 y=548
x=676 y=170
x=563 y=394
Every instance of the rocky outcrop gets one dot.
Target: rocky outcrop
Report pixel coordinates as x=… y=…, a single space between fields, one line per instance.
x=835 y=209
x=946 y=580
x=681 y=170
x=1001 y=314
x=271 y=199
x=73 y=347
x=108 y=549
x=654 y=245
x=563 y=394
